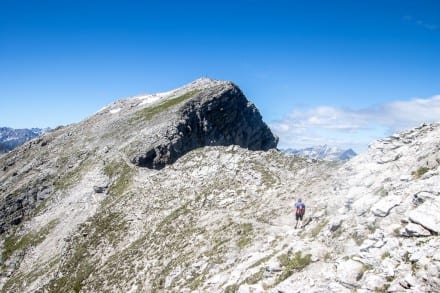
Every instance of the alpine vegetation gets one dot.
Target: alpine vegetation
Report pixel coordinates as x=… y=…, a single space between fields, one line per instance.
x=185 y=191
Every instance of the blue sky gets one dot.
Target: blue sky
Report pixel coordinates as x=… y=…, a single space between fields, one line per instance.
x=337 y=72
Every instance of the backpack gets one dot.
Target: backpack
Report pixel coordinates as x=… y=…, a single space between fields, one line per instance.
x=300 y=210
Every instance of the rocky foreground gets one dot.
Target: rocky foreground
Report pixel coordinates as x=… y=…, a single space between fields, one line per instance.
x=153 y=194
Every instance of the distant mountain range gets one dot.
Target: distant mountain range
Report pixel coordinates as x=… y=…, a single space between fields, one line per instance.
x=323 y=152
x=11 y=138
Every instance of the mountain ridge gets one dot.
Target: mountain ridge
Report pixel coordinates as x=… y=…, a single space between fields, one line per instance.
x=79 y=214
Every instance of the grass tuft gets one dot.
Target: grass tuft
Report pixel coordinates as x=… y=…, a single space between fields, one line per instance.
x=419 y=172
x=14 y=243
x=246 y=233
x=292 y=264
x=120 y=174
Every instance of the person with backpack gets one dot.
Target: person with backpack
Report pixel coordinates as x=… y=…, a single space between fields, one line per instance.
x=300 y=211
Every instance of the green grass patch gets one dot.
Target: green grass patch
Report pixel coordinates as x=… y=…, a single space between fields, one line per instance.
x=70 y=178
x=261 y=261
x=196 y=282
x=422 y=242
x=169 y=220
x=372 y=228
x=364 y=268
x=105 y=229
x=358 y=238
x=16 y=243
x=246 y=232
x=231 y=288
x=255 y=278
x=390 y=278
x=148 y=113
x=383 y=289
x=385 y=255
x=406 y=257
x=120 y=174
x=292 y=263
x=318 y=228
x=419 y=172
x=18 y=281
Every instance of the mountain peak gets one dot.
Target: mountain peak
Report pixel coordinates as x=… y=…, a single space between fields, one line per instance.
x=203 y=113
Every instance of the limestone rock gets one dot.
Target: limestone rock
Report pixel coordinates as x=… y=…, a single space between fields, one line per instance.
x=414 y=230
x=427 y=215
x=214 y=116
x=349 y=273
x=383 y=207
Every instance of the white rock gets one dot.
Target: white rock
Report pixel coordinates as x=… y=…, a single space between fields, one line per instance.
x=388 y=266
x=383 y=207
x=367 y=244
x=405 y=178
x=335 y=224
x=273 y=266
x=427 y=215
x=414 y=230
x=373 y=282
x=348 y=272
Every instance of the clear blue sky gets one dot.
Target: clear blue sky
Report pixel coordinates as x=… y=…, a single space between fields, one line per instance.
x=319 y=71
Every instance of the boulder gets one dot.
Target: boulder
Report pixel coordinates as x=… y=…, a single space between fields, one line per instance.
x=99 y=189
x=414 y=230
x=349 y=273
x=383 y=207
x=335 y=224
x=427 y=215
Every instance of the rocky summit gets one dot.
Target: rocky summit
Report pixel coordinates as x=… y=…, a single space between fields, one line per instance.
x=185 y=191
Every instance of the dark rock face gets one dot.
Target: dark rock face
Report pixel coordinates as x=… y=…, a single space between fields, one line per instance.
x=15 y=207
x=220 y=116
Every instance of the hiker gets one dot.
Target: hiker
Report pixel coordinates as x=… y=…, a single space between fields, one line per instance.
x=300 y=211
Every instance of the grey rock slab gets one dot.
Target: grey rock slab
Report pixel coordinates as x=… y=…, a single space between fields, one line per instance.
x=383 y=207
x=414 y=230
x=427 y=215
x=348 y=273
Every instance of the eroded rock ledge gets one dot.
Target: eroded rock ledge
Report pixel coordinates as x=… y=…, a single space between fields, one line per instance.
x=217 y=116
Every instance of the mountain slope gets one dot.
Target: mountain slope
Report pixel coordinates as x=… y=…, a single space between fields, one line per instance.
x=147 y=131
x=81 y=212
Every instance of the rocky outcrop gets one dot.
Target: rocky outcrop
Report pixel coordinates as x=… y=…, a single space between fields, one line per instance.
x=216 y=116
